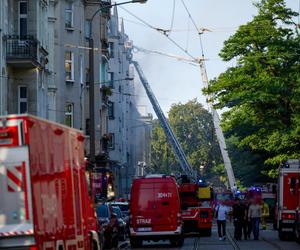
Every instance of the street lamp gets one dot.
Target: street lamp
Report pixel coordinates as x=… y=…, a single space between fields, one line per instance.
x=92 y=84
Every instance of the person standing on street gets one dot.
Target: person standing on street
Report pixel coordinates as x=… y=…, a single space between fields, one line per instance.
x=247 y=226
x=221 y=214
x=238 y=213
x=254 y=215
x=265 y=214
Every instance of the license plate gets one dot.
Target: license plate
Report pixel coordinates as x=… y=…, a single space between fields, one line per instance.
x=287 y=229
x=5 y=141
x=144 y=229
x=288 y=221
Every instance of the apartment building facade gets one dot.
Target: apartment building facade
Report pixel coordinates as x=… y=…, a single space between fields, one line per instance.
x=44 y=66
x=45 y=71
x=120 y=82
x=128 y=126
x=72 y=66
x=25 y=68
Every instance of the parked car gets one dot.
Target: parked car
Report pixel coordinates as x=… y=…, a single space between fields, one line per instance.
x=122 y=230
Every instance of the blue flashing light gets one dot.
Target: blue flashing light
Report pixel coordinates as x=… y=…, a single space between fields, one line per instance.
x=200 y=181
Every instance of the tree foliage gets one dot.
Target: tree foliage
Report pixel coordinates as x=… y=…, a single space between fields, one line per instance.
x=262 y=91
x=193 y=126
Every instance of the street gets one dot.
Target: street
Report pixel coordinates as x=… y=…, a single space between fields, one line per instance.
x=268 y=241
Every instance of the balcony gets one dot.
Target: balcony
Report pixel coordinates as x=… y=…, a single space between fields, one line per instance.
x=21 y=51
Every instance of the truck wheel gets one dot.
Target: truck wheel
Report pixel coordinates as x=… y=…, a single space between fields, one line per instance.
x=134 y=242
x=281 y=235
x=177 y=242
x=208 y=232
x=297 y=234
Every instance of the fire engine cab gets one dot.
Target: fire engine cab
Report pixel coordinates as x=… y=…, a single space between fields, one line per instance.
x=288 y=198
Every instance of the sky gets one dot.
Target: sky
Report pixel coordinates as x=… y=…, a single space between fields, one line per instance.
x=171 y=80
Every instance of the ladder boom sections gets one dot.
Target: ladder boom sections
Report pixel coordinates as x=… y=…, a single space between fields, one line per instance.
x=219 y=132
x=165 y=124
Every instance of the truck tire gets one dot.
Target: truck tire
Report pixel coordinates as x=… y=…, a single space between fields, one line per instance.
x=297 y=234
x=208 y=232
x=135 y=242
x=281 y=235
x=177 y=241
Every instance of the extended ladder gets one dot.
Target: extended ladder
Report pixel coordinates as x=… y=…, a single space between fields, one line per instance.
x=219 y=132
x=165 y=124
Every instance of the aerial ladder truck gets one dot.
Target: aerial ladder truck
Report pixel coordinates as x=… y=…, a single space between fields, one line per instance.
x=195 y=195
x=219 y=132
x=215 y=116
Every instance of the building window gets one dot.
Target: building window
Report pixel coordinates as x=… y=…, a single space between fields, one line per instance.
x=69 y=15
x=111 y=111
x=69 y=65
x=103 y=72
x=110 y=79
x=23 y=18
x=22 y=99
x=111 y=49
x=108 y=28
x=81 y=70
x=87 y=28
x=69 y=114
x=111 y=142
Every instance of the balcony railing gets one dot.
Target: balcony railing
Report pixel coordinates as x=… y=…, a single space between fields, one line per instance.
x=21 y=47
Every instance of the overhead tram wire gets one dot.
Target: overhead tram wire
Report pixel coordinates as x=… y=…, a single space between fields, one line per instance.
x=161 y=31
x=212 y=29
x=179 y=58
x=196 y=27
x=173 y=16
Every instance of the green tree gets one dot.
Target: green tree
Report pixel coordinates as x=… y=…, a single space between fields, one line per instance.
x=262 y=91
x=193 y=126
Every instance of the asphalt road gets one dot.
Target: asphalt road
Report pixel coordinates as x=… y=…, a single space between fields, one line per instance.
x=268 y=241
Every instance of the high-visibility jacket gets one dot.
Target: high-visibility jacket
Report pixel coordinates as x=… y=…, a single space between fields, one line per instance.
x=265 y=210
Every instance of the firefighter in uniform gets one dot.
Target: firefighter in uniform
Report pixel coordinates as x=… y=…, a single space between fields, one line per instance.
x=264 y=214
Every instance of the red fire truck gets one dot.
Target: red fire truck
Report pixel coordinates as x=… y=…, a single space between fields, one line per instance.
x=155 y=212
x=288 y=198
x=196 y=207
x=44 y=195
